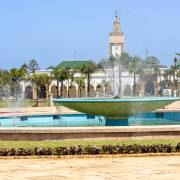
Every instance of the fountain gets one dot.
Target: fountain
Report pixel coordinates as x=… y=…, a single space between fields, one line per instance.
x=116 y=109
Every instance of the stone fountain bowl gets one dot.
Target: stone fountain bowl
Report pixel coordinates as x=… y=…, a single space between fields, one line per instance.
x=109 y=107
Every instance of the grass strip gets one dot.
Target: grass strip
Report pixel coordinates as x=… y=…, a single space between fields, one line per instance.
x=100 y=142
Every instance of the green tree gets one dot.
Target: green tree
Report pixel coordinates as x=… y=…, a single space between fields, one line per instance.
x=152 y=65
x=69 y=77
x=167 y=79
x=33 y=66
x=16 y=76
x=56 y=73
x=178 y=73
x=63 y=75
x=40 y=80
x=60 y=75
x=103 y=64
x=80 y=82
x=124 y=60
x=4 y=83
x=134 y=68
x=87 y=70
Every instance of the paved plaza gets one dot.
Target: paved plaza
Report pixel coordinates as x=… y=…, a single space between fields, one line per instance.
x=154 y=167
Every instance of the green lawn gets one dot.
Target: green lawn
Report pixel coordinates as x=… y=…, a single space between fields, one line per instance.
x=52 y=144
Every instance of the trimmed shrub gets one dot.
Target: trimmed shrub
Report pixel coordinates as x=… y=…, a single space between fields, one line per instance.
x=92 y=150
x=178 y=147
x=12 y=152
x=3 y=152
x=62 y=150
x=42 y=151
x=24 y=152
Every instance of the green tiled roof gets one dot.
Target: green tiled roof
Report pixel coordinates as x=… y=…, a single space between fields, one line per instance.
x=72 y=64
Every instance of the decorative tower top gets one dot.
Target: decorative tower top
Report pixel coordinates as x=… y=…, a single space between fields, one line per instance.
x=116 y=39
x=116 y=24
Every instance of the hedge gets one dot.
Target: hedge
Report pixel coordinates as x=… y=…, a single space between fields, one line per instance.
x=92 y=150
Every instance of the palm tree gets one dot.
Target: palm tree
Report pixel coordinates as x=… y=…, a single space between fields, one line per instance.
x=178 y=74
x=103 y=64
x=87 y=70
x=63 y=75
x=134 y=68
x=4 y=82
x=69 y=76
x=167 y=79
x=152 y=64
x=80 y=83
x=55 y=73
x=17 y=75
x=39 y=80
x=172 y=72
x=124 y=60
x=60 y=75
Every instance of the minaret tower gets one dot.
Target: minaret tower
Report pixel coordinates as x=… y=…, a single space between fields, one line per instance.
x=116 y=39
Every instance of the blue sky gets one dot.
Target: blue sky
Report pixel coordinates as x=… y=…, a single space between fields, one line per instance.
x=50 y=30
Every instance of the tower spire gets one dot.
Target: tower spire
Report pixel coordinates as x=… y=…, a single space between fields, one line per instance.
x=116 y=16
x=116 y=38
x=116 y=24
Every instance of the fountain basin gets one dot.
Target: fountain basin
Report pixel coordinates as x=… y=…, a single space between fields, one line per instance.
x=115 y=108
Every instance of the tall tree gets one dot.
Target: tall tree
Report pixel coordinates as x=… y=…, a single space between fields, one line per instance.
x=40 y=80
x=103 y=64
x=63 y=75
x=55 y=73
x=134 y=68
x=4 y=83
x=33 y=66
x=152 y=65
x=16 y=76
x=70 y=77
x=124 y=60
x=87 y=70
x=80 y=82
x=60 y=75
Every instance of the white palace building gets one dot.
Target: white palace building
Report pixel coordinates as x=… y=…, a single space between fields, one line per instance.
x=101 y=83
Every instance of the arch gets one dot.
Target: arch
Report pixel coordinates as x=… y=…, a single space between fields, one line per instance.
x=72 y=91
x=149 y=88
x=28 y=92
x=108 y=90
x=81 y=91
x=138 y=90
x=64 y=91
x=92 y=92
x=100 y=90
x=42 y=91
x=127 y=90
x=54 y=91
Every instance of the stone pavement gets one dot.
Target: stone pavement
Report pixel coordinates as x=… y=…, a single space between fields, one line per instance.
x=172 y=107
x=124 y=168
x=23 y=111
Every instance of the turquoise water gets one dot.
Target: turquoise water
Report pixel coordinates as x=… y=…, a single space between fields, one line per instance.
x=147 y=119
x=50 y=121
